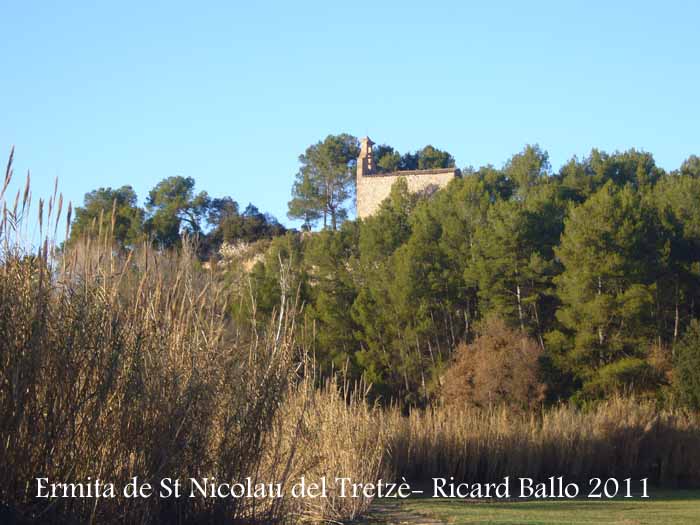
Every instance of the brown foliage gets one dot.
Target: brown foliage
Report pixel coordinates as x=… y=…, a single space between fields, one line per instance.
x=501 y=366
x=332 y=432
x=623 y=437
x=114 y=365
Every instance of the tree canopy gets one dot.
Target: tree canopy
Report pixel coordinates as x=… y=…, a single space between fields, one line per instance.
x=325 y=181
x=592 y=271
x=97 y=210
x=387 y=159
x=172 y=209
x=597 y=265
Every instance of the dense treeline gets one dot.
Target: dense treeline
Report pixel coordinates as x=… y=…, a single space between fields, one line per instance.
x=594 y=269
x=172 y=209
x=598 y=265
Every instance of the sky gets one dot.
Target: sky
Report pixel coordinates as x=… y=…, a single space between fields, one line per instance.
x=231 y=93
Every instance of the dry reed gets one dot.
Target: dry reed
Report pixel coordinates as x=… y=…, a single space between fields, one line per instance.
x=338 y=435
x=620 y=437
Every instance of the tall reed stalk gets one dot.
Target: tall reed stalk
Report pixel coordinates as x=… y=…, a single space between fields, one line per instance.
x=114 y=365
x=621 y=437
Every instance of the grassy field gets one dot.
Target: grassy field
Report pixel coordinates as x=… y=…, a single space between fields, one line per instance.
x=678 y=507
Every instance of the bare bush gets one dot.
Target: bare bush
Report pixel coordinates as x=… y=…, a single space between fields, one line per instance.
x=501 y=366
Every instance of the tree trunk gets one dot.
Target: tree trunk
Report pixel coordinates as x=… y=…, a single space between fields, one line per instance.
x=601 y=336
x=539 y=326
x=676 y=320
x=520 y=308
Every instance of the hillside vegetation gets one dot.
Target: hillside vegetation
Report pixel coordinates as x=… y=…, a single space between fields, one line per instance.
x=595 y=269
x=468 y=315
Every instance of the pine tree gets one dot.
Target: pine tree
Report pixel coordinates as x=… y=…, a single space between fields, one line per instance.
x=325 y=181
x=612 y=257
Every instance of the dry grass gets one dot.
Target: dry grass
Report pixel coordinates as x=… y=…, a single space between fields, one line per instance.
x=620 y=437
x=115 y=365
x=338 y=436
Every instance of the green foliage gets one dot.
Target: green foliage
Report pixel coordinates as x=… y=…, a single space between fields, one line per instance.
x=387 y=229
x=612 y=257
x=526 y=168
x=325 y=181
x=596 y=265
x=687 y=367
x=231 y=226
x=430 y=157
x=627 y=374
x=691 y=167
x=96 y=214
x=331 y=259
x=173 y=207
x=496 y=182
x=280 y=273
x=383 y=353
x=509 y=268
x=676 y=199
x=386 y=159
x=307 y=201
x=582 y=178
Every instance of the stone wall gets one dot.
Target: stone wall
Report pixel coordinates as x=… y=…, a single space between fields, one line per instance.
x=372 y=189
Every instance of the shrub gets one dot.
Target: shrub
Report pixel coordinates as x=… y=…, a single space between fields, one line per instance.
x=501 y=366
x=628 y=374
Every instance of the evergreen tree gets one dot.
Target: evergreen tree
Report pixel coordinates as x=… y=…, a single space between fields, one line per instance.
x=612 y=258
x=173 y=208
x=687 y=367
x=325 y=181
x=510 y=267
x=676 y=199
x=387 y=159
x=307 y=202
x=526 y=168
x=462 y=210
x=691 y=167
x=430 y=158
x=99 y=204
x=331 y=260
x=384 y=357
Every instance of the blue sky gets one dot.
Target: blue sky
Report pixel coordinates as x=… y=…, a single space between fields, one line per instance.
x=106 y=94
